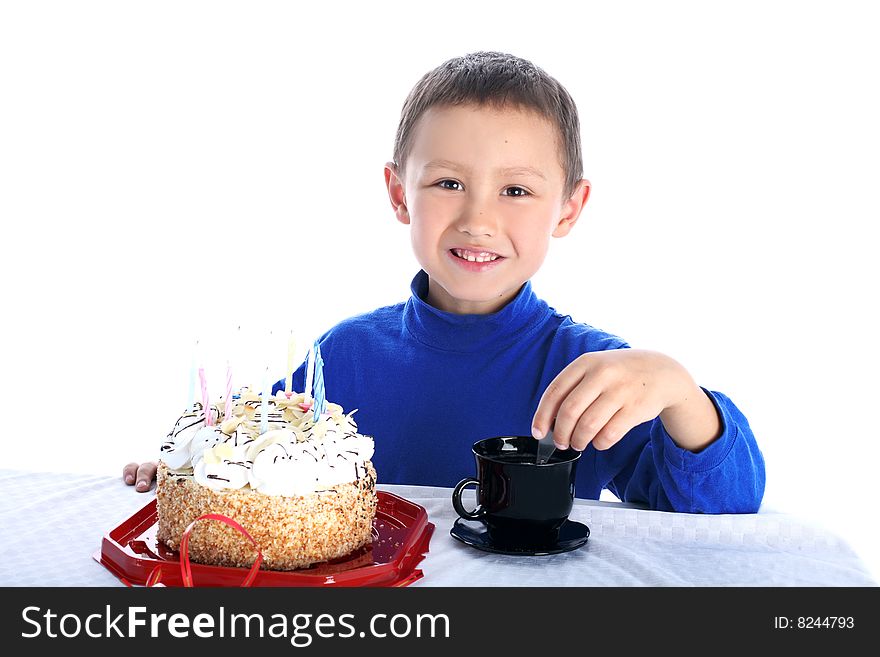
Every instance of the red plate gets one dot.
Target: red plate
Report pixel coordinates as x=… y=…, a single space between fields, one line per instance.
x=401 y=533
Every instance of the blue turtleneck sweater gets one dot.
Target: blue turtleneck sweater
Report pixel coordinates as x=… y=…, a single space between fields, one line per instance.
x=428 y=384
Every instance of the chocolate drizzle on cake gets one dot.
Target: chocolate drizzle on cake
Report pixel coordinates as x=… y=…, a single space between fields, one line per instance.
x=273 y=464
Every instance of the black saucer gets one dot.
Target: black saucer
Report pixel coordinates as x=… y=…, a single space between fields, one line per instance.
x=572 y=535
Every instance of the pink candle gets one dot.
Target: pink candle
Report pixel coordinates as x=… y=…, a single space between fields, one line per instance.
x=204 y=396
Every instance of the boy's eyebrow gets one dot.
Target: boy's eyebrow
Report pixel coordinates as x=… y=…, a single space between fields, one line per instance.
x=507 y=171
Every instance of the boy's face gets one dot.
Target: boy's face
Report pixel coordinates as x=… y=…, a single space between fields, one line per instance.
x=483 y=193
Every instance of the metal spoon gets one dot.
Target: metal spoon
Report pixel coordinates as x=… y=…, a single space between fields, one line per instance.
x=546 y=447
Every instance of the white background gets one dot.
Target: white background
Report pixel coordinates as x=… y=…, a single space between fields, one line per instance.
x=173 y=170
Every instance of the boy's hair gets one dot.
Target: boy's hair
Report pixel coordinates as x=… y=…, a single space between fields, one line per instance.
x=497 y=80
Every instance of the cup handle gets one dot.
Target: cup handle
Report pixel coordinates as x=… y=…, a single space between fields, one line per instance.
x=477 y=513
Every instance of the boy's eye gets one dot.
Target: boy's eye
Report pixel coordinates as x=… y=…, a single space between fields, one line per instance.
x=512 y=191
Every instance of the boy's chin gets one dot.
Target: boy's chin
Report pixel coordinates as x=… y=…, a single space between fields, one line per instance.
x=463 y=298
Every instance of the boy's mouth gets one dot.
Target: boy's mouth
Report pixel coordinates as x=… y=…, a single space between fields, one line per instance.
x=474 y=256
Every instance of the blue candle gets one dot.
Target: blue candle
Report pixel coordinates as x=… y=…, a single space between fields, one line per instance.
x=320 y=402
x=310 y=371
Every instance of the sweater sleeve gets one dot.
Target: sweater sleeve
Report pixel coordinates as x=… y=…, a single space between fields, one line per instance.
x=727 y=476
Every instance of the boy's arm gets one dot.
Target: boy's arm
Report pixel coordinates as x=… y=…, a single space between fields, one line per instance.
x=727 y=476
x=704 y=460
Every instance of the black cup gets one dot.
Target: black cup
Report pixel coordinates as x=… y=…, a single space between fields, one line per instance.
x=523 y=503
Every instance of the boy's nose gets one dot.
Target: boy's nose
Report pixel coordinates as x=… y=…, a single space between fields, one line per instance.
x=477 y=222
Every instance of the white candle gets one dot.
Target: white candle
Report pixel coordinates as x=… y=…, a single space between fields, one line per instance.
x=264 y=406
x=227 y=407
x=191 y=393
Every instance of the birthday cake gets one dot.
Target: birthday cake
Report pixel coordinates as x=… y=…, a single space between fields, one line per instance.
x=301 y=483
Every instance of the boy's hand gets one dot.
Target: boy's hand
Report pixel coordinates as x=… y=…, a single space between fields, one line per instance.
x=601 y=395
x=142 y=473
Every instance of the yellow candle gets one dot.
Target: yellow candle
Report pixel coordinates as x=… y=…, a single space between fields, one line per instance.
x=291 y=348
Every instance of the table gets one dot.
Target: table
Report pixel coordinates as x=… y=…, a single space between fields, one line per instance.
x=53 y=523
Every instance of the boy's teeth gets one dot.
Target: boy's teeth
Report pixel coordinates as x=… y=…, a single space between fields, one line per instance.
x=475 y=257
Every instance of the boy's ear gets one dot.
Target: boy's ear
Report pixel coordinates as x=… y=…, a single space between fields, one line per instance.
x=571 y=209
x=396 y=192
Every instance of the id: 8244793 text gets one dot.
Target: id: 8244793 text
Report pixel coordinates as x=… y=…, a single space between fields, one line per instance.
x=813 y=622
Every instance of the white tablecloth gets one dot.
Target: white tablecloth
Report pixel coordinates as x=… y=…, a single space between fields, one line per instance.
x=53 y=523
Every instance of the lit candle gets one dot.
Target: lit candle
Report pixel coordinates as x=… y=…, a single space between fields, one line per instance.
x=320 y=402
x=310 y=371
x=291 y=348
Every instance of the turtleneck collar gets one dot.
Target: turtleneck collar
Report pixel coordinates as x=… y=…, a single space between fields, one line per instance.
x=470 y=333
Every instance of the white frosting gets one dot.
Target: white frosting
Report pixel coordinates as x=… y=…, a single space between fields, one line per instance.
x=345 y=455
x=223 y=466
x=294 y=457
x=175 y=450
x=284 y=466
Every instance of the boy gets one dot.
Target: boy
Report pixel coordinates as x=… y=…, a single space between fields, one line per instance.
x=487 y=167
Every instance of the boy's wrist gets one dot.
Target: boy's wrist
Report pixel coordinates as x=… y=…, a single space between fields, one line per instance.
x=693 y=423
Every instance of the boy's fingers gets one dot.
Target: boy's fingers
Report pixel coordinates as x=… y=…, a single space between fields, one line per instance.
x=145 y=475
x=615 y=429
x=595 y=423
x=129 y=472
x=579 y=403
x=548 y=407
x=552 y=399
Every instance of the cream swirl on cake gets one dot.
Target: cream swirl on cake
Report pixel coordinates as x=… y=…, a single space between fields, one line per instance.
x=284 y=465
x=296 y=456
x=175 y=449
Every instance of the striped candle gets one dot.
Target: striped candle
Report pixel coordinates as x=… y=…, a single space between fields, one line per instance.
x=205 y=399
x=310 y=371
x=320 y=401
x=227 y=409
